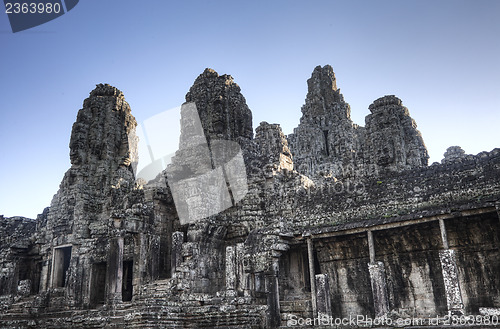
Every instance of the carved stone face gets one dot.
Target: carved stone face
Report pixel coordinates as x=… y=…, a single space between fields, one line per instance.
x=75 y=154
x=222 y=108
x=386 y=154
x=218 y=118
x=102 y=128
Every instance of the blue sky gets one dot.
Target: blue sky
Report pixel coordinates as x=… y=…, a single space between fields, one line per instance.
x=440 y=57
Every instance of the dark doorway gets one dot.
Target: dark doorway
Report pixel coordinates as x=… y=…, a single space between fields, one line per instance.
x=327 y=150
x=35 y=279
x=62 y=257
x=98 y=284
x=128 y=266
x=294 y=274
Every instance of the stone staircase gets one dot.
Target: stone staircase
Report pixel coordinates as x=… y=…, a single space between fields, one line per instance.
x=19 y=309
x=156 y=305
x=300 y=308
x=153 y=306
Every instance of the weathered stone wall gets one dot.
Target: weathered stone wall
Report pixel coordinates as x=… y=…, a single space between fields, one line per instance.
x=476 y=241
x=345 y=260
x=420 y=192
x=411 y=258
x=15 y=254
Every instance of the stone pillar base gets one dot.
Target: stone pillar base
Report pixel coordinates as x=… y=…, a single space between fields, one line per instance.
x=451 y=284
x=379 y=288
x=323 y=298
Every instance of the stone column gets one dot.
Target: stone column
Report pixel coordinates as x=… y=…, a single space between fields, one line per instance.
x=444 y=234
x=450 y=275
x=379 y=288
x=243 y=278
x=75 y=290
x=44 y=276
x=87 y=281
x=377 y=280
x=141 y=253
x=451 y=284
x=312 y=274
x=273 y=296
x=323 y=299
x=231 y=271
x=114 y=271
x=177 y=241
x=371 y=246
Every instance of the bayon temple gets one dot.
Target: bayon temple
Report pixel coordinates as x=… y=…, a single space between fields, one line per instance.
x=331 y=221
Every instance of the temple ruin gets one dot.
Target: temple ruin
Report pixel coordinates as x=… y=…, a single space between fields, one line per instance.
x=338 y=220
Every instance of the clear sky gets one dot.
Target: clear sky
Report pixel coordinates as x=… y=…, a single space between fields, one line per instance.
x=442 y=58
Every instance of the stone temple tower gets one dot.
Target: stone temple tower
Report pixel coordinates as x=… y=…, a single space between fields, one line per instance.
x=328 y=142
x=223 y=111
x=392 y=139
x=92 y=198
x=326 y=138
